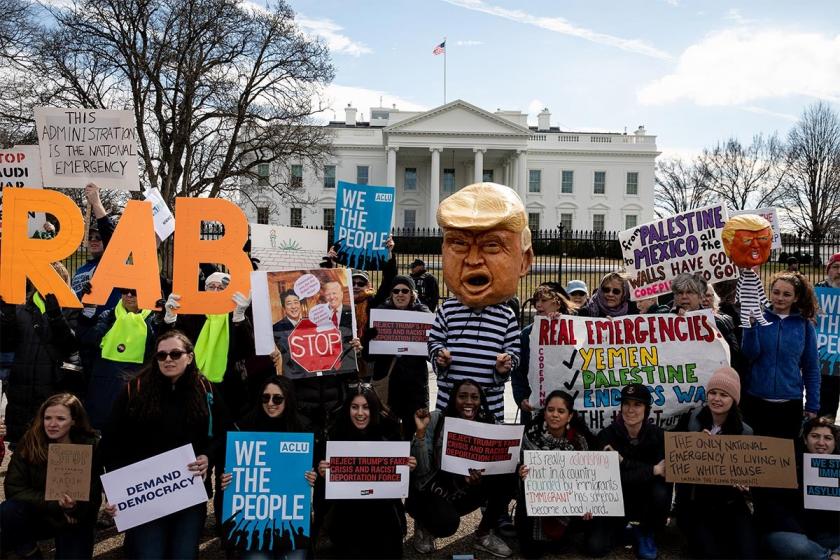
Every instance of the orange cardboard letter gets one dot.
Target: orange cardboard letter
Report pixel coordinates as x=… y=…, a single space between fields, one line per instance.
x=191 y=250
x=134 y=236
x=23 y=257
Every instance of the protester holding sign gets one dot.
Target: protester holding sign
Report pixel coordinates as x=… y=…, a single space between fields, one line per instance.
x=41 y=335
x=717 y=520
x=100 y=231
x=647 y=497
x=555 y=427
x=830 y=381
x=168 y=405
x=26 y=517
x=783 y=358
x=791 y=530
x=612 y=298
x=438 y=499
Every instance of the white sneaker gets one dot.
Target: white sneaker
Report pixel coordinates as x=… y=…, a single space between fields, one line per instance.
x=493 y=544
x=424 y=542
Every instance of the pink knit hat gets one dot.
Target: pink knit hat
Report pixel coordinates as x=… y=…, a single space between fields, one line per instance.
x=833 y=259
x=726 y=379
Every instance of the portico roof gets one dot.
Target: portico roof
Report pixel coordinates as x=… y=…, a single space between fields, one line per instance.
x=458 y=118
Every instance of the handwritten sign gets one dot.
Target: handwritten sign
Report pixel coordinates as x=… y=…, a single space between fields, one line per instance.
x=83 y=145
x=363 y=223
x=400 y=332
x=563 y=483
x=493 y=448
x=657 y=252
x=821 y=481
x=164 y=220
x=756 y=461
x=593 y=359
x=20 y=167
x=367 y=470
x=771 y=216
x=828 y=330
x=68 y=471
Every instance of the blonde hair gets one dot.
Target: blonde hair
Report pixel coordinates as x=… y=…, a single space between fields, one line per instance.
x=62 y=271
x=748 y=222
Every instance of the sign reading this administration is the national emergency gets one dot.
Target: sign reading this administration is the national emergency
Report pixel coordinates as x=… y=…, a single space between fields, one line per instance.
x=828 y=330
x=657 y=252
x=363 y=218
x=268 y=503
x=492 y=448
x=592 y=359
x=154 y=487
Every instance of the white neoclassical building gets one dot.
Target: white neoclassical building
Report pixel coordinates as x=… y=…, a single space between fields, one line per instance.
x=580 y=180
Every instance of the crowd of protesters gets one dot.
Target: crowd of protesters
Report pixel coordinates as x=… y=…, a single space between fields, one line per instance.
x=137 y=382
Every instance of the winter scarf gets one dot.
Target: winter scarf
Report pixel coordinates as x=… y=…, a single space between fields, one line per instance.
x=126 y=340
x=211 y=348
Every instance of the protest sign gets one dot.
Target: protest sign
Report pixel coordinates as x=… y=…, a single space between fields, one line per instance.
x=821 y=481
x=657 y=252
x=268 y=503
x=20 y=167
x=828 y=330
x=68 y=471
x=153 y=488
x=593 y=359
x=400 y=332
x=363 y=223
x=287 y=248
x=754 y=461
x=164 y=220
x=367 y=470
x=572 y=483
x=79 y=146
x=771 y=216
x=492 y=448
x=309 y=316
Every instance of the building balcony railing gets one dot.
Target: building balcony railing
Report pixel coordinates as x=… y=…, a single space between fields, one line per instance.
x=593 y=139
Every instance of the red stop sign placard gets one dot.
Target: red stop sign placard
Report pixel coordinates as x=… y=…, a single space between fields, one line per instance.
x=314 y=349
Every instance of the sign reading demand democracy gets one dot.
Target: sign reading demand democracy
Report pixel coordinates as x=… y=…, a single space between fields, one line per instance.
x=492 y=448
x=363 y=216
x=657 y=252
x=592 y=359
x=79 y=146
x=828 y=330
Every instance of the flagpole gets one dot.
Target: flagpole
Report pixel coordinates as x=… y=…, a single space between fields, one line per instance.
x=444 y=70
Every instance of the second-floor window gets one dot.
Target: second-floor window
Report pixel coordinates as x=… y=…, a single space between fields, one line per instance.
x=262 y=174
x=262 y=214
x=599 y=185
x=362 y=172
x=534 y=180
x=329 y=218
x=567 y=182
x=329 y=176
x=296 y=217
x=633 y=182
x=296 y=176
x=410 y=183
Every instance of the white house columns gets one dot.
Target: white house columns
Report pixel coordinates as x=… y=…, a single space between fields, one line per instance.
x=479 y=164
x=522 y=173
x=392 y=166
x=434 y=186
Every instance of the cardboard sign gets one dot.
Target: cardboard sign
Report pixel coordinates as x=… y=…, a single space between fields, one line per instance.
x=367 y=470
x=363 y=217
x=593 y=359
x=164 y=220
x=771 y=216
x=68 y=471
x=573 y=483
x=309 y=316
x=20 y=167
x=154 y=487
x=821 y=481
x=268 y=503
x=493 y=448
x=657 y=252
x=79 y=146
x=828 y=330
x=400 y=332
x=755 y=461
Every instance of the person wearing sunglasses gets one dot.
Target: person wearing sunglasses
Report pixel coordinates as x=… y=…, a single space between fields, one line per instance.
x=100 y=231
x=124 y=337
x=169 y=404
x=612 y=299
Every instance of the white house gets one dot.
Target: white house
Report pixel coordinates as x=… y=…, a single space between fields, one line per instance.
x=580 y=180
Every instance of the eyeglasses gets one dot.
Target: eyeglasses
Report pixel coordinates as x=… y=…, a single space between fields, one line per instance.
x=174 y=354
x=614 y=291
x=274 y=398
x=397 y=291
x=95 y=237
x=129 y=292
x=214 y=288
x=360 y=284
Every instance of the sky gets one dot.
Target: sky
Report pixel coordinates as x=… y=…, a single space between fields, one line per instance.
x=694 y=73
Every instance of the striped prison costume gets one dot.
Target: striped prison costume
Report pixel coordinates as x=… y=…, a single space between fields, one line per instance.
x=473 y=339
x=750 y=294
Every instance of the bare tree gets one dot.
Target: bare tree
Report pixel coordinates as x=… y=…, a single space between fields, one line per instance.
x=680 y=186
x=812 y=186
x=745 y=176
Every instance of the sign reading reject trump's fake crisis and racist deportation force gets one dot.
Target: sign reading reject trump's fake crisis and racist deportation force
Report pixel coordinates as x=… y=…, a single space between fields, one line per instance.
x=592 y=359
x=492 y=448
x=154 y=487
x=400 y=332
x=572 y=483
x=821 y=481
x=367 y=470
x=828 y=330
x=657 y=252
x=363 y=216
x=267 y=505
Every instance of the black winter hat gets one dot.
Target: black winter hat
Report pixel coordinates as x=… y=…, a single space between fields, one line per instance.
x=402 y=279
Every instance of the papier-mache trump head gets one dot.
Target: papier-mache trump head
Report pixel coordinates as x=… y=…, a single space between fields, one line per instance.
x=486 y=243
x=747 y=239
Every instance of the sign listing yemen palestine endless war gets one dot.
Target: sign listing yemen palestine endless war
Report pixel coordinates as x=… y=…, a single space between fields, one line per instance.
x=592 y=359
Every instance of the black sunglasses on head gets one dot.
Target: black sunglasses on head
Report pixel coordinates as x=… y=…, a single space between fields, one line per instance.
x=274 y=398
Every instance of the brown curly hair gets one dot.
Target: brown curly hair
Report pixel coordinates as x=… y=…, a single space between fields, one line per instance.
x=806 y=299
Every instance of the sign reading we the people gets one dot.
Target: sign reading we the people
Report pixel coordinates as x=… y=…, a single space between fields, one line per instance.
x=363 y=218
x=367 y=470
x=492 y=448
x=79 y=146
x=821 y=481
x=657 y=252
x=563 y=483
x=268 y=503
x=400 y=332
x=828 y=330
x=592 y=359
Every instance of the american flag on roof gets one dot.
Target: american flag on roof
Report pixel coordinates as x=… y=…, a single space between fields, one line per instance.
x=440 y=49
